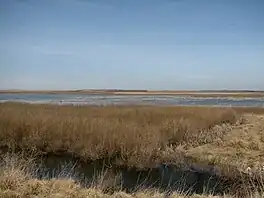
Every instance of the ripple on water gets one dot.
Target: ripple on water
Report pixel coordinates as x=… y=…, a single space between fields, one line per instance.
x=86 y=99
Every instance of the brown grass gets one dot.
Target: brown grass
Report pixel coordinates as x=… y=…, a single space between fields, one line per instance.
x=254 y=110
x=136 y=134
x=141 y=136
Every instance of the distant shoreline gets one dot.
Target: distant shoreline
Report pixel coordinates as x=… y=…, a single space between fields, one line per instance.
x=202 y=93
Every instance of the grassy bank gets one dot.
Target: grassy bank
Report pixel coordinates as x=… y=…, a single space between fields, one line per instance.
x=138 y=136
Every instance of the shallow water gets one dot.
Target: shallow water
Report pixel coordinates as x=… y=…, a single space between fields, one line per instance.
x=86 y=99
x=165 y=178
x=111 y=177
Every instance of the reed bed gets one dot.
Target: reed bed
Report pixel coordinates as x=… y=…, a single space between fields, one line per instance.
x=135 y=136
x=139 y=135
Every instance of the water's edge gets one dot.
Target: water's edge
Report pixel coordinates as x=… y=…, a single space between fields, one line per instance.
x=166 y=178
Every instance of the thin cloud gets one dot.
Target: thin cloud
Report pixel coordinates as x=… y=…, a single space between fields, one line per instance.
x=199 y=77
x=51 y=51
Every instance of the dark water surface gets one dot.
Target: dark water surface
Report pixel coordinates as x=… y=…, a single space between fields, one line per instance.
x=86 y=99
x=164 y=178
x=109 y=177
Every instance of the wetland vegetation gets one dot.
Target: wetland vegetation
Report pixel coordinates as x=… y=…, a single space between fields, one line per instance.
x=152 y=146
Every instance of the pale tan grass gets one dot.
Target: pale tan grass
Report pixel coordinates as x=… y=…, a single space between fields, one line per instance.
x=136 y=134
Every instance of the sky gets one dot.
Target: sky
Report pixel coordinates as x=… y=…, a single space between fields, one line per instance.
x=132 y=44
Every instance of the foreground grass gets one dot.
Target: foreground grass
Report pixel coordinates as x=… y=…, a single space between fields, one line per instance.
x=139 y=136
x=16 y=182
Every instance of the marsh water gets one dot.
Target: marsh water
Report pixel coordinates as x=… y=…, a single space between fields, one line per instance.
x=92 y=99
x=110 y=177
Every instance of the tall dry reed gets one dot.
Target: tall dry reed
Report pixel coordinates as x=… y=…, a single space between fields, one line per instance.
x=134 y=133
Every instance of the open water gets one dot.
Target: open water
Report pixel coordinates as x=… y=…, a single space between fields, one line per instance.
x=86 y=99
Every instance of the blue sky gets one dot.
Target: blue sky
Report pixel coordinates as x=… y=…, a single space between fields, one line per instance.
x=139 y=44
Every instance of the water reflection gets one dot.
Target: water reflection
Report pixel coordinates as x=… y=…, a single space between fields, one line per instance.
x=165 y=178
